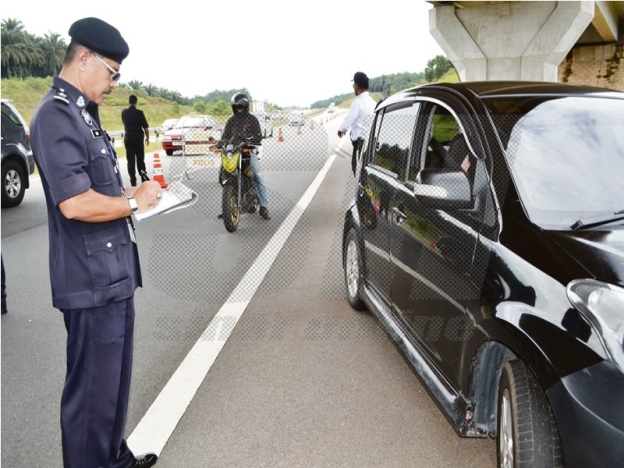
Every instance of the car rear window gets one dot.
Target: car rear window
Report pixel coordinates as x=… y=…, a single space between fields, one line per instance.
x=11 y=115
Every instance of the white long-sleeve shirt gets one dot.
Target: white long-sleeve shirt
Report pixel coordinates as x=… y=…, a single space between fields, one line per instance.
x=360 y=116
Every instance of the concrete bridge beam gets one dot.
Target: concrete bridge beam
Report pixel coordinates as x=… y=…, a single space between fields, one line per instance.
x=509 y=40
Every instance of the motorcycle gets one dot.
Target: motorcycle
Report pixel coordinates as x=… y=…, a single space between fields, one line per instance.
x=236 y=178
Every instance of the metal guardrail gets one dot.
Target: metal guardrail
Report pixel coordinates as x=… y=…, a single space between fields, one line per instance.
x=156 y=131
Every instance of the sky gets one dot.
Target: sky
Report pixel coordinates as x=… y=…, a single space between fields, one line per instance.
x=284 y=52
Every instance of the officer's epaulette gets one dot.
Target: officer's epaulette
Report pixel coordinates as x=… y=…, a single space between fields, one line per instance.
x=61 y=96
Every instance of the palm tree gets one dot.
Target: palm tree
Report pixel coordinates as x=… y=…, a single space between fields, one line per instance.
x=151 y=90
x=135 y=84
x=53 y=48
x=19 y=50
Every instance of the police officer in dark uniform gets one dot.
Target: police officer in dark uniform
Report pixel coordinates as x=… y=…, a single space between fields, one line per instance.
x=94 y=264
x=135 y=127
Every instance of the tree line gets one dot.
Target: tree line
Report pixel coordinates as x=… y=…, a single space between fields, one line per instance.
x=25 y=55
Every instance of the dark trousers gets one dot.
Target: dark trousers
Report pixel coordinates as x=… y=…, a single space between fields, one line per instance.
x=94 y=403
x=135 y=154
x=4 y=293
x=357 y=150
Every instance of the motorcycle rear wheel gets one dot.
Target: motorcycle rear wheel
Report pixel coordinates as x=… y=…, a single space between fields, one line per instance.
x=230 y=207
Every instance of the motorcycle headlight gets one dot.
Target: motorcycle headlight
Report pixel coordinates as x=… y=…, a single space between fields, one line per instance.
x=603 y=305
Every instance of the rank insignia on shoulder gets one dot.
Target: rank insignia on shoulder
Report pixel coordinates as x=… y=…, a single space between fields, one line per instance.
x=61 y=97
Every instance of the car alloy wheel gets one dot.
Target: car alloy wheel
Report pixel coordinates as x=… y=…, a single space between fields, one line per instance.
x=352 y=271
x=14 y=184
x=505 y=434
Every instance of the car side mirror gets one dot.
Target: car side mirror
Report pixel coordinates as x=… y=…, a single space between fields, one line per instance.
x=443 y=188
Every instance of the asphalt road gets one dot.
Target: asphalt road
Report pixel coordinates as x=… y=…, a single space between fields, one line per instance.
x=290 y=377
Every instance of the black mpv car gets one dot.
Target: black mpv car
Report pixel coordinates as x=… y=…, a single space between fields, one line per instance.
x=18 y=162
x=487 y=236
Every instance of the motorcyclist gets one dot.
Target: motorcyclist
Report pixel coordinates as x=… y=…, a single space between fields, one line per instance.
x=244 y=125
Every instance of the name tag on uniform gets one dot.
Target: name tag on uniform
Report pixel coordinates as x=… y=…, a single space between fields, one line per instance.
x=96 y=133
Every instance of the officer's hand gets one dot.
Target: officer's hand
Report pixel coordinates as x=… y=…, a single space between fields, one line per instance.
x=340 y=134
x=148 y=194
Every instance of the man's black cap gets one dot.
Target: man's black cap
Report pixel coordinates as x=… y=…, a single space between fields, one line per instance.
x=360 y=79
x=100 y=37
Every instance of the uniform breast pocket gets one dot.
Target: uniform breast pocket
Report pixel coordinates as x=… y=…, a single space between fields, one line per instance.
x=108 y=253
x=102 y=171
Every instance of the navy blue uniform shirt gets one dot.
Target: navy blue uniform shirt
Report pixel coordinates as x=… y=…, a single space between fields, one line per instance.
x=91 y=264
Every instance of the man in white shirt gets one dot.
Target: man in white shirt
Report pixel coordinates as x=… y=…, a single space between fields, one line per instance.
x=359 y=117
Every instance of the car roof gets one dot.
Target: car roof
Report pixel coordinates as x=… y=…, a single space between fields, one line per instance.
x=493 y=89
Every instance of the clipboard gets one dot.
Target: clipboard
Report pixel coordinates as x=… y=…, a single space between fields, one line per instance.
x=175 y=197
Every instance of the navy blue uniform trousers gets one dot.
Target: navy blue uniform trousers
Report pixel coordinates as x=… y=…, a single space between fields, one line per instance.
x=95 y=397
x=135 y=154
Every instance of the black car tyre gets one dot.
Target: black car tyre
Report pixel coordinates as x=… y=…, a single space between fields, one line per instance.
x=169 y=152
x=13 y=184
x=353 y=271
x=230 y=208
x=527 y=432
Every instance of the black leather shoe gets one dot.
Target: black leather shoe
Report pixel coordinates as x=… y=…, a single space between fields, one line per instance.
x=264 y=212
x=144 y=177
x=145 y=461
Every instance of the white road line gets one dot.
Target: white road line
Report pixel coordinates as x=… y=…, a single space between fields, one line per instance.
x=161 y=419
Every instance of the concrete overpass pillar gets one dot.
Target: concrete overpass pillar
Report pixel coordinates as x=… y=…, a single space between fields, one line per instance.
x=509 y=40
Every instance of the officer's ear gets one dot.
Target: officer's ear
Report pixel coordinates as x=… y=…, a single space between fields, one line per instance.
x=82 y=55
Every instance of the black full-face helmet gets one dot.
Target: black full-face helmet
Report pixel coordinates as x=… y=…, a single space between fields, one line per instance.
x=240 y=99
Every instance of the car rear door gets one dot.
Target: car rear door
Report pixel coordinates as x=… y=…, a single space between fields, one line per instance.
x=431 y=250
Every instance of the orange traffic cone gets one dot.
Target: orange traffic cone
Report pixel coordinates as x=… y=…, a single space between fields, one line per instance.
x=299 y=129
x=158 y=172
x=280 y=137
x=312 y=124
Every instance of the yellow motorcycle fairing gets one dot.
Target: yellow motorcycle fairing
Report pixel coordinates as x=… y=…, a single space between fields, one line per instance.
x=230 y=163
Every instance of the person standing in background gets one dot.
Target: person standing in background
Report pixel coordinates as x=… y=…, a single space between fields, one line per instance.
x=135 y=127
x=4 y=292
x=93 y=255
x=359 y=118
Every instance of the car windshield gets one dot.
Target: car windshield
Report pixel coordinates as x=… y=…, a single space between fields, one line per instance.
x=191 y=121
x=566 y=157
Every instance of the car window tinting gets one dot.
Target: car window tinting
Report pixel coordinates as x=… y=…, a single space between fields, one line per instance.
x=8 y=113
x=394 y=139
x=444 y=142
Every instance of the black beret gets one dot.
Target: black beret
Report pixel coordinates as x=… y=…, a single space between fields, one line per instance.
x=100 y=37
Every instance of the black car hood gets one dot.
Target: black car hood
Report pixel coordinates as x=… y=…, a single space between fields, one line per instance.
x=599 y=252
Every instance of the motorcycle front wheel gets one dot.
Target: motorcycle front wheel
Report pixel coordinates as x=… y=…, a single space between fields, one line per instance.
x=230 y=207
